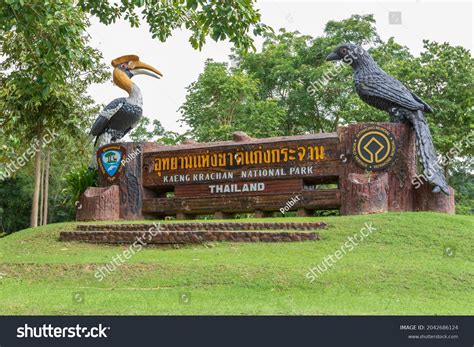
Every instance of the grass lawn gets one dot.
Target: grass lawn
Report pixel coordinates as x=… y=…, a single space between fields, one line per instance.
x=402 y=268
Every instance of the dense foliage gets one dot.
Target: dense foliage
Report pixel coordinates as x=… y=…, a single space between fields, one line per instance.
x=155 y=132
x=232 y=20
x=77 y=181
x=14 y=211
x=223 y=101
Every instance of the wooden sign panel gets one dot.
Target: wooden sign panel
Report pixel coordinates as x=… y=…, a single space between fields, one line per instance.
x=255 y=167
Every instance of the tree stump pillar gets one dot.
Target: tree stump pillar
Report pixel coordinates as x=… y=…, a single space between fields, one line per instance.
x=399 y=174
x=99 y=204
x=129 y=182
x=366 y=193
x=425 y=200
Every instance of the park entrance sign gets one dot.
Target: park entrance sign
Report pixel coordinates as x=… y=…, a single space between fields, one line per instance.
x=361 y=168
x=243 y=175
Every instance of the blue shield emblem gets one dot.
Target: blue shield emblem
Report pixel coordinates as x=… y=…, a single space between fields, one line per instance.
x=110 y=160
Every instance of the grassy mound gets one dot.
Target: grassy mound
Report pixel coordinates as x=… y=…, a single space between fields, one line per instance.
x=414 y=263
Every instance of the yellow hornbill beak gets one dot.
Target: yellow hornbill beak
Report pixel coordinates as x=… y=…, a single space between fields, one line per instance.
x=138 y=67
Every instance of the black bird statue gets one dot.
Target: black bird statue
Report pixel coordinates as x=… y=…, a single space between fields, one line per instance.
x=122 y=114
x=376 y=88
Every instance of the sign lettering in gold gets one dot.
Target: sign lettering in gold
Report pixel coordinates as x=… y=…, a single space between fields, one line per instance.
x=234 y=159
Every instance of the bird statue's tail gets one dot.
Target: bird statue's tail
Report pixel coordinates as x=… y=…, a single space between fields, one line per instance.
x=431 y=169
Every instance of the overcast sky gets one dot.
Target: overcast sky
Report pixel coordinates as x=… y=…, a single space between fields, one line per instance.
x=181 y=64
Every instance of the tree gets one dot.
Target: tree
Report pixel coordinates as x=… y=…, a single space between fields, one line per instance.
x=18 y=189
x=282 y=75
x=445 y=76
x=221 y=102
x=463 y=181
x=142 y=133
x=220 y=19
x=46 y=45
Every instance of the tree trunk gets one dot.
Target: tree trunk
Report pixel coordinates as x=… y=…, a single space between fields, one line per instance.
x=41 y=194
x=46 y=188
x=446 y=171
x=37 y=180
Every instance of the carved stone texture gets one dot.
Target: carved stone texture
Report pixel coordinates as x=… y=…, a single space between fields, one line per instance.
x=367 y=194
x=426 y=200
x=99 y=204
x=184 y=237
x=203 y=226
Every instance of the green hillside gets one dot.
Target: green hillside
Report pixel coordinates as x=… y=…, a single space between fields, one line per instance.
x=414 y=263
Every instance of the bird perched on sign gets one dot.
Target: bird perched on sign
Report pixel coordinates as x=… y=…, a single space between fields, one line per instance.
x=380 y=90
x=122 y=114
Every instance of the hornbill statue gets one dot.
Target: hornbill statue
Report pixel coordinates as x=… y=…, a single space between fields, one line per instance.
x=380 y=90
x=122 y=114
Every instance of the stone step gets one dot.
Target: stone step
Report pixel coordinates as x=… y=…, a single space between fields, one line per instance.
x=182 y=237
x=204 y=226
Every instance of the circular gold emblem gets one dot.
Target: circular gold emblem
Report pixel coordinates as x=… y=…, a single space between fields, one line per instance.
x=374 y=148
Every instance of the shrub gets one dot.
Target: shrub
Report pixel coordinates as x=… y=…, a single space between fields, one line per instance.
x=77 y=181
